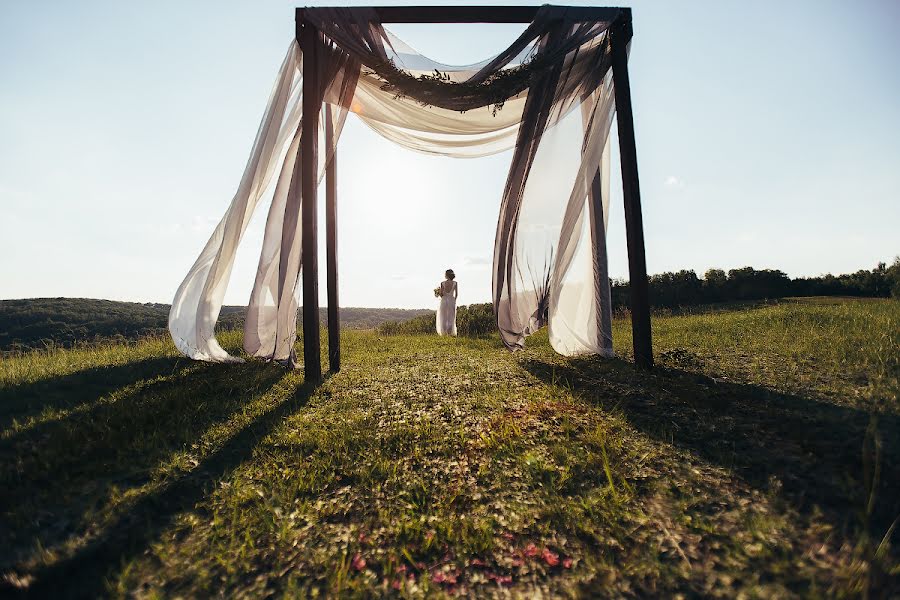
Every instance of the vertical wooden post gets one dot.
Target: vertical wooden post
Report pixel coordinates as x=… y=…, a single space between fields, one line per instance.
x=334 y=318
x=637 y=262
x=309 y=157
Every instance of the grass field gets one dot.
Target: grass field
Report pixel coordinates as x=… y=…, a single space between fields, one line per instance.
x=761 y=458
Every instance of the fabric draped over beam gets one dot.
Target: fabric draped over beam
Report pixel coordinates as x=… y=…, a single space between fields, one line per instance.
x=549 y=96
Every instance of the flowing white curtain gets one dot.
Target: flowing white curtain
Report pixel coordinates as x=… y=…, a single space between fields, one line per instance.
x=549 y=96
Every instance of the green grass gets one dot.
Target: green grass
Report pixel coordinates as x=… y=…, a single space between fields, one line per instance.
x=759 y=459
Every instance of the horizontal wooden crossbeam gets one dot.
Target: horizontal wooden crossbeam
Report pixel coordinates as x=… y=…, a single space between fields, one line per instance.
x=481 y=14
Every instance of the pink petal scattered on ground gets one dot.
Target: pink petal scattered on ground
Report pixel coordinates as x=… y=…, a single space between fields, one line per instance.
x=396 y=584
x=567 y=563
x=358 y=563
x=550 y=557
x=442 y=577
x=477 y=562
x=518 y=562
x=500 y=579
x=507 y=536
x=401 y=568
x=531 y=551
x=362 y=537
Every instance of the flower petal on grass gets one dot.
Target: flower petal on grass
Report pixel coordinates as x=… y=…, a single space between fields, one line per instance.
x=550 y=557
x=358 y=563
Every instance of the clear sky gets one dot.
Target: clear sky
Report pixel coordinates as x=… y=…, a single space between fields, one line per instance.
x=768 y=134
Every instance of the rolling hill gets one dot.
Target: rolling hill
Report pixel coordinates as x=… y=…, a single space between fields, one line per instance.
x=40 y=322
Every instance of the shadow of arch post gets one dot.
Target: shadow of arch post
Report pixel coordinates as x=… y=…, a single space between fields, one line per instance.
x=311 y=40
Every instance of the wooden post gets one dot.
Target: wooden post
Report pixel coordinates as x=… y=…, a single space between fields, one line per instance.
x=637 y=262
x=310 y=40
x=334 y=318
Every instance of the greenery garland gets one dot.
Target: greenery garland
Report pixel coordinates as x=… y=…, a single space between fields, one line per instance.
x=437 y=89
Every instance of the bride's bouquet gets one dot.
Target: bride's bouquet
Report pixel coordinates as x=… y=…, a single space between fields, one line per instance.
x=437 y=292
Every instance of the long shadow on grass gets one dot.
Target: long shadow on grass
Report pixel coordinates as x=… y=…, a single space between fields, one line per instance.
x=814 y=449
x=84 y=575
x=66 y=392
x=56 y=476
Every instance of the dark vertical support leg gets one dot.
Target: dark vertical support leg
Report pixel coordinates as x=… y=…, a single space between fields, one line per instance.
x=334 y=318
x=598 y=239
x=309 y=158
x=637 y=262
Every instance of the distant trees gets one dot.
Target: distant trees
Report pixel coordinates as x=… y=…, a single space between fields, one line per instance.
x=474 y=320
x=35 y=323
x=40 y=322
x=892 y=274
x=714 y=283
x=879 y=282
x=684 y=288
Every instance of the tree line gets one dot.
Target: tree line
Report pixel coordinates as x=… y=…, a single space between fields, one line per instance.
x=36 y=323
x=685 y=288
x=41 y=322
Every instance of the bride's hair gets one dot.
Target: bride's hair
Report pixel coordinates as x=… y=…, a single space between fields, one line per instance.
x=449 y=274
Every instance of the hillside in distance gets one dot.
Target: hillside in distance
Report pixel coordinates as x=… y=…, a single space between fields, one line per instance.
x=39 y=322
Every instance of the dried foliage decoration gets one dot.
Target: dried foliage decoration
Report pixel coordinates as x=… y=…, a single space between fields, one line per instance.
x=438 y=89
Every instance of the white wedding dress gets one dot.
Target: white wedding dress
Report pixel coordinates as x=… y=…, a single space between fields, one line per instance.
x=446 y=312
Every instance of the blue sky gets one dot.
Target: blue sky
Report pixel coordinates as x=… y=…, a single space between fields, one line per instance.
x=768 y=134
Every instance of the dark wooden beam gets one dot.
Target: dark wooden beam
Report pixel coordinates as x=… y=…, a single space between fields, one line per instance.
x=478 y=14
x=634 y=225
x=310 y=41
x=334 y=319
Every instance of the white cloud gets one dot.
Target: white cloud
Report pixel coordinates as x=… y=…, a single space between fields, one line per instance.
x=674 y=182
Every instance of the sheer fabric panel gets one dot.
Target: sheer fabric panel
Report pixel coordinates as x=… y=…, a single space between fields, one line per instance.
x=198 y=300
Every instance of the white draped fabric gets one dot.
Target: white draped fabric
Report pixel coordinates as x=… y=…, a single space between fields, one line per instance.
x=549 y=96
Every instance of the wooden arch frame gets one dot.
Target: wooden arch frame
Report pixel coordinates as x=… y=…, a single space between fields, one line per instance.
x=310 y=40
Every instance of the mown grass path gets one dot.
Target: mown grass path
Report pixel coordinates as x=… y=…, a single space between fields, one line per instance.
x=760 y=458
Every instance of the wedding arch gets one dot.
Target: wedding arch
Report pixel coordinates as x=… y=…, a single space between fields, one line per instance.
x=550 y=96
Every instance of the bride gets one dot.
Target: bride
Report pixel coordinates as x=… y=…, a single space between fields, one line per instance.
x=446 y=313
